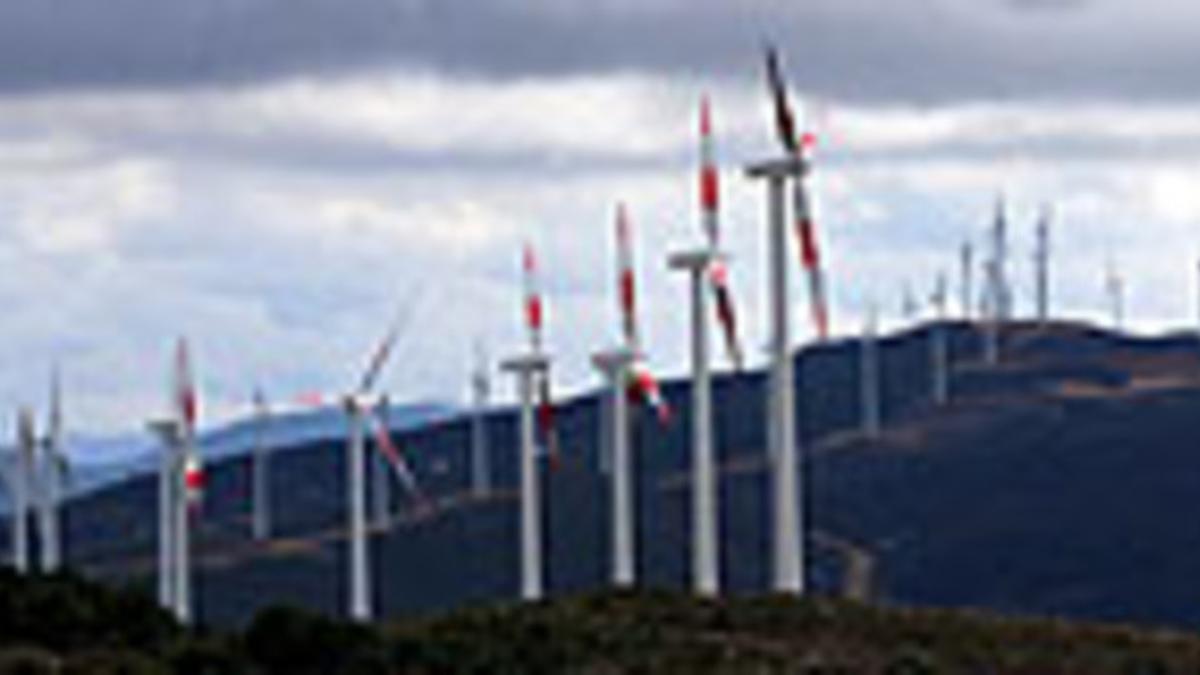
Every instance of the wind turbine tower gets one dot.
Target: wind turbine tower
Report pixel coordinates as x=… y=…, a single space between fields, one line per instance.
x=939 y=349
x=480 y=390
x=967 y=268
x=705 y=560
x=997 y=293
x=52 y=471
x=869 y=374
x=1115 y=288
x=615 y=365
x=22 y=475
x=1003 y=291
x=1041 y=259
x=261 y=518
x=166 y=430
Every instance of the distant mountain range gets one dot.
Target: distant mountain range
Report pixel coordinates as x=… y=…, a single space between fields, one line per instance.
x=98 y=461
x=1062 y=481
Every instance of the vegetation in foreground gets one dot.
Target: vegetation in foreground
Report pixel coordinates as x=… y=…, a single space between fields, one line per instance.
x=62 y=624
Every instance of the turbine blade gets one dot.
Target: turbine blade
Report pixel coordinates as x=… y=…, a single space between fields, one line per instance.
x=533 y=299
x=193 y=479
x=802 y=147
x=54 y=434
x=810 y=259
x=709 y=186
x=546 y=425
x=626 y=288
x=310 y=399
x=186 y=402
x=785 y=123
x=643 y=386
x=380 y=356
x=26 y=431
x=726 y=314
x=395 y=459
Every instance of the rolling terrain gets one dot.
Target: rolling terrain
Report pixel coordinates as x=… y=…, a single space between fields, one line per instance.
x=1059 y=482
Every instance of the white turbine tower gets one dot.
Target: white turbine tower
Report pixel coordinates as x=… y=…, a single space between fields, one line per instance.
x=166 y=430
x=1041 y=259
x=939 y=349
x=705 y=562
x=908 y=302
x=967 y=269
x=52 y=471
x=532 y=370
x=869 y=375
x=481 y=472
x=615 y=365
x=997 y=294
x=21 y=483
x=261 y=499
x=1114 y=286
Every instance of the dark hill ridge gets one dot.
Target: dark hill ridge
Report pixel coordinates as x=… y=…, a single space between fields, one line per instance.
x=63 y=624
x=1058 y=482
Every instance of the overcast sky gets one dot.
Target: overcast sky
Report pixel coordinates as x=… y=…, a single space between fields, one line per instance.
x=277 y=178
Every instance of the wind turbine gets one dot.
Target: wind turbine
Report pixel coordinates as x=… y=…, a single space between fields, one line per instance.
x=625 y=375
x=481 y=473
x=52 y=472
x=908 y=302
x=869 y=375
x=939 y=349
x=261 y=518
x=1041 y=259
x=795 y=165
x=615 y=366
x=997 y=293
x=181 y=480
x=532 y=371
x=191 y=476
x=701 y=264
x=967 y=268
x=1114 y=286
x=710 y=195
x=21 y=480
x=359 y=415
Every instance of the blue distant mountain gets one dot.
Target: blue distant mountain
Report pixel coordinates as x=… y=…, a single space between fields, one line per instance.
x=1061 y=481
x=98 y=461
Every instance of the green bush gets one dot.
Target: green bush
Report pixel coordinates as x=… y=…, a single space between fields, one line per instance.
x=27 y=660
x=112 y=662
x=288 y=640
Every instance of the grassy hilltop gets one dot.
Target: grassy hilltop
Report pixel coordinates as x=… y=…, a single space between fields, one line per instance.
x=61 y=624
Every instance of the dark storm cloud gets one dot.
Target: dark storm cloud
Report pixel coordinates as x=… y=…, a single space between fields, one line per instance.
x=932 y=51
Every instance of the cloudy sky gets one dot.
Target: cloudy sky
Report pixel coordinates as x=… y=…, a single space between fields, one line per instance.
x=278 y=178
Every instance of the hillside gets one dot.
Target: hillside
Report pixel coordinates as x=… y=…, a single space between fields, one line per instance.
x=61 y=624
x=1057 y=483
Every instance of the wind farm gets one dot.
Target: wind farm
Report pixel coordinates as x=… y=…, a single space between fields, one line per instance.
x=933 y=388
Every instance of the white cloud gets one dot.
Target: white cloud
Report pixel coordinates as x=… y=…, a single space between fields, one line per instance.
x=235 y=218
